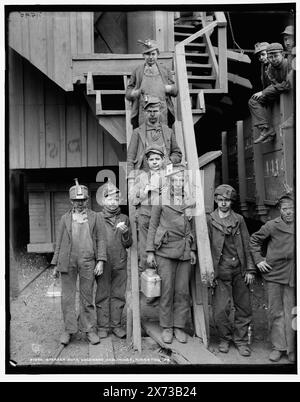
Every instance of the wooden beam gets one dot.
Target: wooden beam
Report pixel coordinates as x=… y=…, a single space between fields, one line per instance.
x=224 y=157
x=236 y=56
x=115 y=126
x=236 y=79
x=212 y=56
x=89 y=84
x=133 y=254
x=201 y=102
x=221 y=19
x=98 y=102
x=241 y=165
x=222 y=45
x=197 y=34
x=40 y=247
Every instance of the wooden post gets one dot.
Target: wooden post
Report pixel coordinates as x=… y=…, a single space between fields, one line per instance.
x=224 y=158
x=205 y=265
x=259 y=177
x=241 y=166
x=133 y=309
x=222 y=47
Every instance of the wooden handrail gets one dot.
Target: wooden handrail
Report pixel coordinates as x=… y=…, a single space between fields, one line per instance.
x=197 y=34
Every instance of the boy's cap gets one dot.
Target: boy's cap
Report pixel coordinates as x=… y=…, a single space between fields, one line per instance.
x=148 y=45
x=274 y=47
x=177 y=167
x=289 y=30
x=286 y=195
x=155 y=149
x=105 y=190
x=260 y=46
x=78 y=192
x=152 y=100
x=226 y=191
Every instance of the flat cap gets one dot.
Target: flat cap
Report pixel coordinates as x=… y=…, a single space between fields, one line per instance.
x=225 y=190
x=274 y=47
x=287 y=195
x=148 y=45
x=155 y=149
x=260 y=46
x=289 y=30
x=151 y=100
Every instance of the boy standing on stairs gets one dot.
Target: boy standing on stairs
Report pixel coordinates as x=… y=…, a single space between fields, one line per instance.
x=234 y=270
x=277 y=73
x=149 y=133
x=151 y=79
x=171 y=249
x=111 y=285
x=145 y=193
x=278 y=270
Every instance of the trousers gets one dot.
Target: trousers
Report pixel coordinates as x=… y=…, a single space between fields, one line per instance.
x=281 y=301
x=231 y=287
x=110 y=295
x=84 y=267
x=174 y=303
x=258 y=109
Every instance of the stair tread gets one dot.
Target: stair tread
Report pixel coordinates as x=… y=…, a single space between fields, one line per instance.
x=201 y=77
x=187 y=54
x=194 y=44
x=182 y=34
x=206 y=65
x=195 y=111
x=184 y=26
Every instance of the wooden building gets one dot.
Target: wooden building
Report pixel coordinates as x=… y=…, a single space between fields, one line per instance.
x=67 y=74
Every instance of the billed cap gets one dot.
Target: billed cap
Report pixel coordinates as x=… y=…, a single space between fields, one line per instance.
x=151 y=100
x=225 y=190
x=260 y=46
x=155 y=149
x=289 y=30
x=78 y=192
x=274 y=47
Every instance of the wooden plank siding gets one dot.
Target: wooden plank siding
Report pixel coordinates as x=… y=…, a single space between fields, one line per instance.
x=49 y=39
x=50 y=128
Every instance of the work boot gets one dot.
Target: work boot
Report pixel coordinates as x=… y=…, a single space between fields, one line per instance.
x=275 y=355
x=244 y=350
x=265 y=133
x=65 y=338
x=93 y=338
x=292 y=357
x=224 y=346
x=119 y=332
x=167 y=335
x=180 y=335
x=102 y=333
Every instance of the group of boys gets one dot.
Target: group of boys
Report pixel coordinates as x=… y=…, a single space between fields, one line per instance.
x=94 y=245
x=275 y=79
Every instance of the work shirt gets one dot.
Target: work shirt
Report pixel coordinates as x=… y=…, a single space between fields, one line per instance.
x=280 y=250
x=82 y=243
x=278 y=79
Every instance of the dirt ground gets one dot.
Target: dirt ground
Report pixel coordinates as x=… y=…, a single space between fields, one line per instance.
x=36 y=324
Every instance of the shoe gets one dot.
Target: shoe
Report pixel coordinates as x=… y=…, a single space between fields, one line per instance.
x=244 y=350
x=265 y=134
x=180 y=335
x=151 y=300
x=167 y=335
x=93 y=338
x=119 y=332
x=224 y=346
x=65 y=338
x=292 y=357
x=102 y=333
x=275 y=355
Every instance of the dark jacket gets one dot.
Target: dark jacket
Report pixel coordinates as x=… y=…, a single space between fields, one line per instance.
x=62 y=251
x=117 y=242
x=171 y=233
x=136 y=81
x=240 y=237
x=280 y=250
x=135 y=153
x=278 y=79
